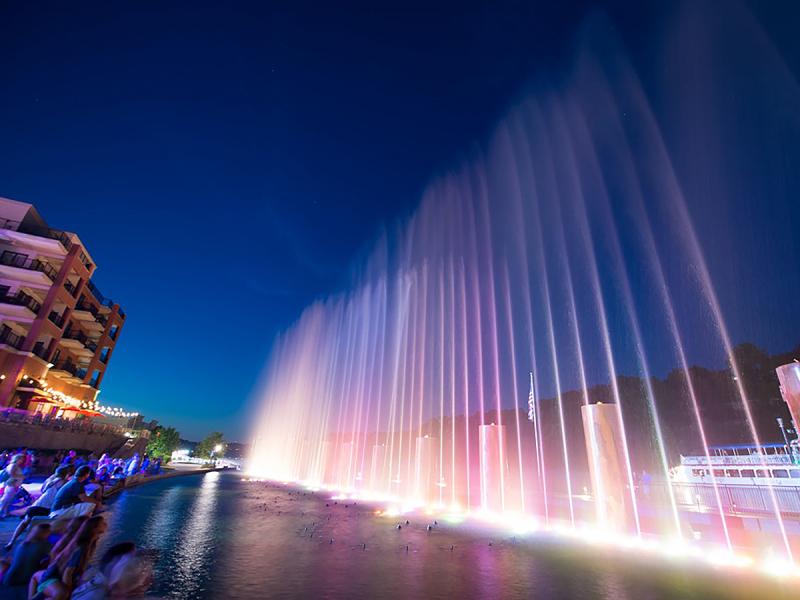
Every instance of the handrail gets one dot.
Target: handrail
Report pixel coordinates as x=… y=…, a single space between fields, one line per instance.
x=22 y=261
x=22 y=299
x=7 y=336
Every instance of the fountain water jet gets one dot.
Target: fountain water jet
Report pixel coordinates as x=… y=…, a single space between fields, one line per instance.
x=550 y=253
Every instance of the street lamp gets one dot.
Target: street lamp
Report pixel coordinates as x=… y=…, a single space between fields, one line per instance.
x=783 y=431
x=217 y=449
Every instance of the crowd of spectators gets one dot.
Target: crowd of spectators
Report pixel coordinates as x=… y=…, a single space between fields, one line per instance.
x=51 y=552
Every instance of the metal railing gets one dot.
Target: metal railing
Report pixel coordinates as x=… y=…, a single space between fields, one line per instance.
x=22 y=299
x=81 y=337
x=108 y=302
x=7 y=336
x=735 y=499
x=56 y=319
x=752 y=459
x=71 y=368
x=22 y=261
x=45 y=232
x=40 y=350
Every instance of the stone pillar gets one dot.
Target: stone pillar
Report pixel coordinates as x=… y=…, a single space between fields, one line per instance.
x=789 y=378
x=493 y=465
x=605 y=448
x=426 y=468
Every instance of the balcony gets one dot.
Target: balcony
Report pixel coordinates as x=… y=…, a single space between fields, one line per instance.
x=45 y=232
x=89 y=315
x=71 y=288
x=69 y=369
x=56 y=319
x=21 y=299
x=22 y=261
x=8 y=337
x=104 y=301
x=40 y=350
x=78 y=340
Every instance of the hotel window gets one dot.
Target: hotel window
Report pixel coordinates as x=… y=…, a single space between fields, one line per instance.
x=104 y=354
x=113 y=332
x=780 y=473
x=95 y=378
x=748 y=473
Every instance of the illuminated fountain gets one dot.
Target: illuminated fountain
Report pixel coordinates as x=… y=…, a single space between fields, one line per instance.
x=476 y=364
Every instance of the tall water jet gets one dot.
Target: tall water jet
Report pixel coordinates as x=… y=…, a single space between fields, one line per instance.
x=549 y=265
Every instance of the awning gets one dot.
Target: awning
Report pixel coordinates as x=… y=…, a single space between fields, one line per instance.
x=43 y=400
x=84 y=411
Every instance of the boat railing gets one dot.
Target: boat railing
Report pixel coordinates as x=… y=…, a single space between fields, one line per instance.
x=752 y=459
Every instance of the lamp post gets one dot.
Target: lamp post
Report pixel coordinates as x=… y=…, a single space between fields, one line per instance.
x=217 y=450
x=783 y=431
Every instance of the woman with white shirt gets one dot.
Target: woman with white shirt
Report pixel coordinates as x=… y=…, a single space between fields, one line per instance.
x=12 y=478
x=41 y=507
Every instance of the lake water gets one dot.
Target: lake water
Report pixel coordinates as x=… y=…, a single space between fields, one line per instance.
x=217 y=536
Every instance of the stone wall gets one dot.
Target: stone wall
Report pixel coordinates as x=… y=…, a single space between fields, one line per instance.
x=15 y=435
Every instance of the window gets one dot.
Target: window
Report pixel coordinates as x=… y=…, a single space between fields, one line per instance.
x=95 y=378
x=794 y=474
x=748 y=473
x=761 y=473
x=780 y=473
x=104 y=354
x=732 y=473
x=113 y=332
x=719 y=473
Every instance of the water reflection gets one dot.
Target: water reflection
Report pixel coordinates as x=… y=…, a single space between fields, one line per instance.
x=224 y=538
x=195 y=542
x=161 y=526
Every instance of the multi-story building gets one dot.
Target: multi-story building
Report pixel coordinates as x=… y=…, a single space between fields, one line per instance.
x=57 y=331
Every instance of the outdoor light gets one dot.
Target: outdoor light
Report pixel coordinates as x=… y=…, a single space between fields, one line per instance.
x=218 y=448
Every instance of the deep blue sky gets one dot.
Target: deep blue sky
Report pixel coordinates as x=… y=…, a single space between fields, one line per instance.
x=225 y=162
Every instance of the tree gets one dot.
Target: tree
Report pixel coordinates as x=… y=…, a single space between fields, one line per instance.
x=163 y=442
x=209 y=445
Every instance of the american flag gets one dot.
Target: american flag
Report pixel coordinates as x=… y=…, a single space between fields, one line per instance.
x=531 y=403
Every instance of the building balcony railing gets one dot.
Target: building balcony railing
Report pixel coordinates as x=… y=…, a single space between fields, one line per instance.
x=91 y=308
x=71 y=368
x=56 y=319
x=81 y=337
x=7 y=336
x=21 y=299
x=71 y=288
x=40 y=350
x=99 y=295
x=45 y=232
x=22 y=261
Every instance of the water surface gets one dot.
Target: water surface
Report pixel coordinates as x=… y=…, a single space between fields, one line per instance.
x=220 y=537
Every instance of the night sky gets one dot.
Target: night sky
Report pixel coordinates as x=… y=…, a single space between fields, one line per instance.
x=226 y=163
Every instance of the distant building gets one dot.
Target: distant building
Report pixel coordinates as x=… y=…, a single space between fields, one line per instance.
x=57 y=331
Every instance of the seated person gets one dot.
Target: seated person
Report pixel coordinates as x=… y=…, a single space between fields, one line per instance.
x=43 y=504
x=72 y=500
x=66 y=568
x=97 y=585
x=30 y=556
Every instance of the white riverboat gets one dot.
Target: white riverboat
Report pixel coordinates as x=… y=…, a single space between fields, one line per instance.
x=743 y=465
